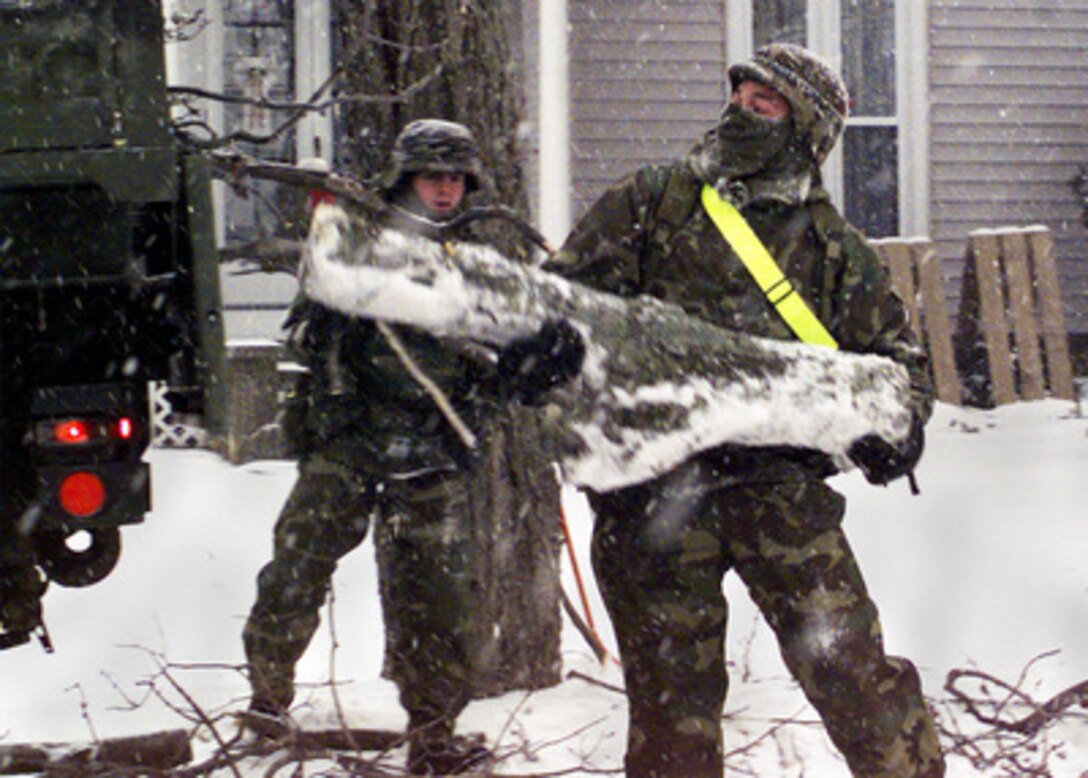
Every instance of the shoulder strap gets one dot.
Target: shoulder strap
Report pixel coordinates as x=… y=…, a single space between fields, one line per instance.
x=766 y=272
x=830 y=226
x=678 y=198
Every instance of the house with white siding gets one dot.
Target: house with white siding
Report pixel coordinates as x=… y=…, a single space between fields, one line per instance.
x=965 y=114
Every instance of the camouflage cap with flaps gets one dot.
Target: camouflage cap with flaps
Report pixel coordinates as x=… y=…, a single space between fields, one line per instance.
x=817 y=95
x=434 y=145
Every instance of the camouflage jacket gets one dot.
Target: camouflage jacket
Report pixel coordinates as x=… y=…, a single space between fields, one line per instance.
x=649 y=234
x=359 y=409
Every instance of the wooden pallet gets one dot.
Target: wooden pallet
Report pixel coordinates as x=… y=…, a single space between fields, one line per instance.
x=1011 y=314
x=916 y=277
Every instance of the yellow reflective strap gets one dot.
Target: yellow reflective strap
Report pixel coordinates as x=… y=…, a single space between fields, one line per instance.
x=766 y=272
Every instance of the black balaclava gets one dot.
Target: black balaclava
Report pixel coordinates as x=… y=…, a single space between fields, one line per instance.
x=748 y=142
x=749 y=157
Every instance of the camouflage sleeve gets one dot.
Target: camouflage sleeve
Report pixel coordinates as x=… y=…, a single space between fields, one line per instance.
x=312 y=342
x=604 y=249
x=871 y=318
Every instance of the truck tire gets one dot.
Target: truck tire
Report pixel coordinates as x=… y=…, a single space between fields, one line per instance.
x=78 y=568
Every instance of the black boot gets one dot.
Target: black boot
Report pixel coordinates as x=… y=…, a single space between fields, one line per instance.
x=266 y=724
x=433 y=749
x=273 y=686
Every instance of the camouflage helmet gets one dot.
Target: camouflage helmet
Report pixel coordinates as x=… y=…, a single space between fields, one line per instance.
x=817 y=95
x=434 y=145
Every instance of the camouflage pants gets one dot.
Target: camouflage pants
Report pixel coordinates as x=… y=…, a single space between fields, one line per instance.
x=21 y=585
x=326 y=516
x=660 y=555
x=21 y=590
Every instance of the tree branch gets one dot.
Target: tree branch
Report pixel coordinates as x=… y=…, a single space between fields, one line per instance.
x=234 y=165
x=1043 y=713
x=430 y=387
x=1018 y=745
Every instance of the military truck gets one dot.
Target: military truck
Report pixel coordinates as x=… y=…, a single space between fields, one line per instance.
x=108 y=282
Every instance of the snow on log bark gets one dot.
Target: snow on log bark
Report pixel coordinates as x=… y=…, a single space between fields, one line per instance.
x=657 y=386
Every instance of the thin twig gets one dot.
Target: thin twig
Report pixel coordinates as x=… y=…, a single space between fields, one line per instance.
x=507 y=214
x=334 y=646
x=233 y=164
x=310 y=106
x=223 y=746
x=588 y=634
x=591 y=680
x=430 y=387
x=750 y=745
x=1017 y=746
x=1042 y=714
x=299 y=110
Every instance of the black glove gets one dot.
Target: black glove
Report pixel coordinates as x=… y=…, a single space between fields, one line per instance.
x=881 y=462
x=530 y=366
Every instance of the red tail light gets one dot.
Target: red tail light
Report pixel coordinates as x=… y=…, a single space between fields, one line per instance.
x=84 y=431
x=81 y=494
x=73 y=431
x=124 y=428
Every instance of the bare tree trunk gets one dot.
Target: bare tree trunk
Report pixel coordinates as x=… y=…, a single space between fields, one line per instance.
x=516 y=527
x=452 y=59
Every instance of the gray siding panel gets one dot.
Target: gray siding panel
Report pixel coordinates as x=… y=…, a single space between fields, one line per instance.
x=647 y=79
x=638 y=70
x=1018 y=140
x=997 y=154
x=941 y=9
x=620 y=138
x=951 y=55
x=1019 y=114
x=1009 y=128
x=649 y=51
x=649 y=91
x=653 y=11
x=958 y=171
x=681 y=30
x=670 y=113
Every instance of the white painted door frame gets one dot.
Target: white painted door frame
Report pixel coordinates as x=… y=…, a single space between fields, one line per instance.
x=313 y=66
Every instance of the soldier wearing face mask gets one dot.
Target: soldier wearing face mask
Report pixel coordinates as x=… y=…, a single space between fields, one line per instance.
x=683 y=232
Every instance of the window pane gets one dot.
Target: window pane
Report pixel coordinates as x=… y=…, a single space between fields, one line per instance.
x=868 y=55
x=779 y=21
x=870 y=180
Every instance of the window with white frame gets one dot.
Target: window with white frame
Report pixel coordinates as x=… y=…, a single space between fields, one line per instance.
x=877 y=173
x=870 y=164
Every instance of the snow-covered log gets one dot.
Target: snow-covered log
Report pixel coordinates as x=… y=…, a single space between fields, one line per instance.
x=153 y=752
x=657 y=384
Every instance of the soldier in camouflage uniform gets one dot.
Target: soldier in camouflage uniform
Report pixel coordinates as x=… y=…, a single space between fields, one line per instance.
x=661 y=549
x=373 y=444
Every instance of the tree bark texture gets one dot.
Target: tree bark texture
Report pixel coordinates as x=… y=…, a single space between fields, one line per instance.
x=155 y=751
x=455 y=60
x=452 y=59
x=515 y=508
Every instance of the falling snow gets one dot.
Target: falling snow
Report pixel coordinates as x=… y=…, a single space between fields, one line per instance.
x=986 y=567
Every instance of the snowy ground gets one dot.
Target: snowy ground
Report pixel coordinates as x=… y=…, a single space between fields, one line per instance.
x=985 y=569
